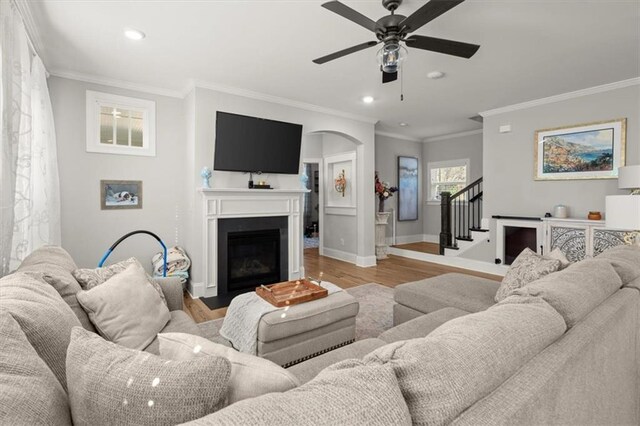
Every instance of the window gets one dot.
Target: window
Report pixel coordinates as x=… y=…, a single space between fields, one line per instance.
x=120 y=125
x=449 y=176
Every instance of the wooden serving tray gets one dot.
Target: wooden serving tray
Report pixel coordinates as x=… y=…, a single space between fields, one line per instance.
x=291 y=292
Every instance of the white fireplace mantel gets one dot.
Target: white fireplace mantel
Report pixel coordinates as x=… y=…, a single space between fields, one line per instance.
x=221 y=203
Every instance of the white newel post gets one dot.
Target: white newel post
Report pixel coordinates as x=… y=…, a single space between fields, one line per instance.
x=381 y=235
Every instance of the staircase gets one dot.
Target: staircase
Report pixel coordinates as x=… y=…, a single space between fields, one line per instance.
x=461 y=219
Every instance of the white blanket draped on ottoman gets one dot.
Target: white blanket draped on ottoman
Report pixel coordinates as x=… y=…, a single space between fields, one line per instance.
x=240 y=326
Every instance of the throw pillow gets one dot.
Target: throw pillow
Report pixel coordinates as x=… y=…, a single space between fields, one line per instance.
x=251 y=376
x=90 y=278
x=625 y=260
x=126 y=309
x=29 y=392
x=557 y=254
x=528 y=267
x=110 y=384
x=347 y=393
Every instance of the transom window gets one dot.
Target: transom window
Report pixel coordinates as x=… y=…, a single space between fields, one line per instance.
x=450 y=176
x=120 y=124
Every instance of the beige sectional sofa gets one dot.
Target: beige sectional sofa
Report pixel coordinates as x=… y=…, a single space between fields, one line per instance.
x=563 y=350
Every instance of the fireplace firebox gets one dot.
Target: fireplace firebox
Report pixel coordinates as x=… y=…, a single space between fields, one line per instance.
x=251 y=252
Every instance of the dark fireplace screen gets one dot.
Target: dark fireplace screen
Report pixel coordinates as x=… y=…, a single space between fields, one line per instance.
x=253 y=258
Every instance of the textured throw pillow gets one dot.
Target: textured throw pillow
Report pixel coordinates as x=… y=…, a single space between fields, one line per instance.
x=110 y=384
x=576 y=291
x=468 y=357
x=90 y=278
x=625 y=260
x=43 y=317
x=29 y=392
x=528 y=267
x=251 y=376
x=126 y=309
x=347 y=393
x=557 y=254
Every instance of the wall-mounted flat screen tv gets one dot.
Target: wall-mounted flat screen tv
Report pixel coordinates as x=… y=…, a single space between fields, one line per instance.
x=251 y=144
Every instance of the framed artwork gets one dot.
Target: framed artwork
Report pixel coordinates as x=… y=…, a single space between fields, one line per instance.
x=584 y=151
x=120 y=194
x=340 y=184
x=407 y=188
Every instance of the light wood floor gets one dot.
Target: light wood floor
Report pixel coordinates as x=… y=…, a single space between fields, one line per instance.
x=389 y=272
x=431 y=248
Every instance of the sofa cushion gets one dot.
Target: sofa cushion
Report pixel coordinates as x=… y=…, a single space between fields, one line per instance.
x=625 y=260
x=468 y=357
x=43 y=316
x=251 y=376
x=577 y=290
x=54 y=265
x=558 y=254
x=466 y=292
x=347 y=393
x=90 y=278
x=126 y=309
x=179 y=322
x=111 y=384
x=421 y=326
x=528 y=267
x=29 y=392
x=310 y=368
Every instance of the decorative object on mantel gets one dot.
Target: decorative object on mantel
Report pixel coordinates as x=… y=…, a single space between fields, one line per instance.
x=594 y=216
x=407 y=188
x=585 y=151
x=205 y=174
x=560 y=211
x=340 y=183
x=382 y=218
x=383 y=190
x=623 y=211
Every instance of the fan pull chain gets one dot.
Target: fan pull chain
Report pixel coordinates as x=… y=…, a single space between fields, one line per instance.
x=401 y=85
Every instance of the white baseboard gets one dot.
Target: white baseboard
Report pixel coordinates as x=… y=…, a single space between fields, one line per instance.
x=195 y=290
x=415 y=238
x=456 y=262
x=340 y=255
x=366 y=261
x=428 y=238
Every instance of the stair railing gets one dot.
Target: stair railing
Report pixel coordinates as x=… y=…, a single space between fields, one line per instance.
x=460 y=214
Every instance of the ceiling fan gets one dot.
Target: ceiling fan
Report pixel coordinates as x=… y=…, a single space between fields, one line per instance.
x=393 y=29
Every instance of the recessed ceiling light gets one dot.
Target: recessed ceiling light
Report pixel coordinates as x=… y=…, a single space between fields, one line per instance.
x=434 y=75
x=133 y=34
x=402 y=124
x=367 y=99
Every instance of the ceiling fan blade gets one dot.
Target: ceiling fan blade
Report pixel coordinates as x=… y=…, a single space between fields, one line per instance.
x=427 y=13
x=448 y=47
x=345 y=52
x=388 y=77
x=352 y=15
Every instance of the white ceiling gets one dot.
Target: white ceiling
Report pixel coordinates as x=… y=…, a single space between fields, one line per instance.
x=530 y=49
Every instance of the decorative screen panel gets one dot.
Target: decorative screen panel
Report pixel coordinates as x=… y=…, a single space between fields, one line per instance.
x=606 y=238
x=572 y=242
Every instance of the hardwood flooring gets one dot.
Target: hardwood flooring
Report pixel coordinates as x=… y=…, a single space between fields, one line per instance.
x=389 y=272
x=431 y=248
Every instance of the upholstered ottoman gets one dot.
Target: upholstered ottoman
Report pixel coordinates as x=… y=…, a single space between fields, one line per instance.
x=465 y=292
x=308 y=329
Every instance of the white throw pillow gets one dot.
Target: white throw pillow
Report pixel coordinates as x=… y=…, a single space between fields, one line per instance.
x=528 y=267
x=557 y=254
x=251 y=376
x=126 y=309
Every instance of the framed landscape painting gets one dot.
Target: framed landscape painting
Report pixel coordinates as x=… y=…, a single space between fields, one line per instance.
x=407 y=188
x=120 y=194
x=585 y=151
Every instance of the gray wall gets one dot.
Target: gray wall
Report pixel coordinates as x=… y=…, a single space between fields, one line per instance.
x=462 y=147
x=87 y=231
x=387 y=151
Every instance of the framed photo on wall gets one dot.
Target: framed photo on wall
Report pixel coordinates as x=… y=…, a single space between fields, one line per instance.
x=407 y=188
x=583 y=151
x=120 y=194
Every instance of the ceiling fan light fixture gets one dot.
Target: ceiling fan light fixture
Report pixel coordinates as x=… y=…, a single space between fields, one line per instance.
x=391 y=55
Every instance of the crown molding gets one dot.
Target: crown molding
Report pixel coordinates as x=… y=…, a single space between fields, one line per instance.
x=563 y=96
x=453 y=135
x=24 y=9
x=397 y=136
x=274 y=99
x=105 y=81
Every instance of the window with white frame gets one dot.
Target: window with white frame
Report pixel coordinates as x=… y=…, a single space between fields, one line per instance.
x=120 y=124
x=450 y=176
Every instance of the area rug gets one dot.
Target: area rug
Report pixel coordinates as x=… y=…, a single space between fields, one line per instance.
x=374 y=317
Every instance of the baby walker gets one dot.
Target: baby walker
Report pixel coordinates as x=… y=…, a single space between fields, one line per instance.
x=124 y=237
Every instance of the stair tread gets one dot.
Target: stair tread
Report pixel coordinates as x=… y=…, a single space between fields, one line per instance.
x=464 y=238
x=452 y=248
x=478 y=230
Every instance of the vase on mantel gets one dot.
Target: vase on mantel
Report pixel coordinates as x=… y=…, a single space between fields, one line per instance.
x=382 y=218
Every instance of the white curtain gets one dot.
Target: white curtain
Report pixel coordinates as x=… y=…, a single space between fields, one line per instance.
x=30 y=194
